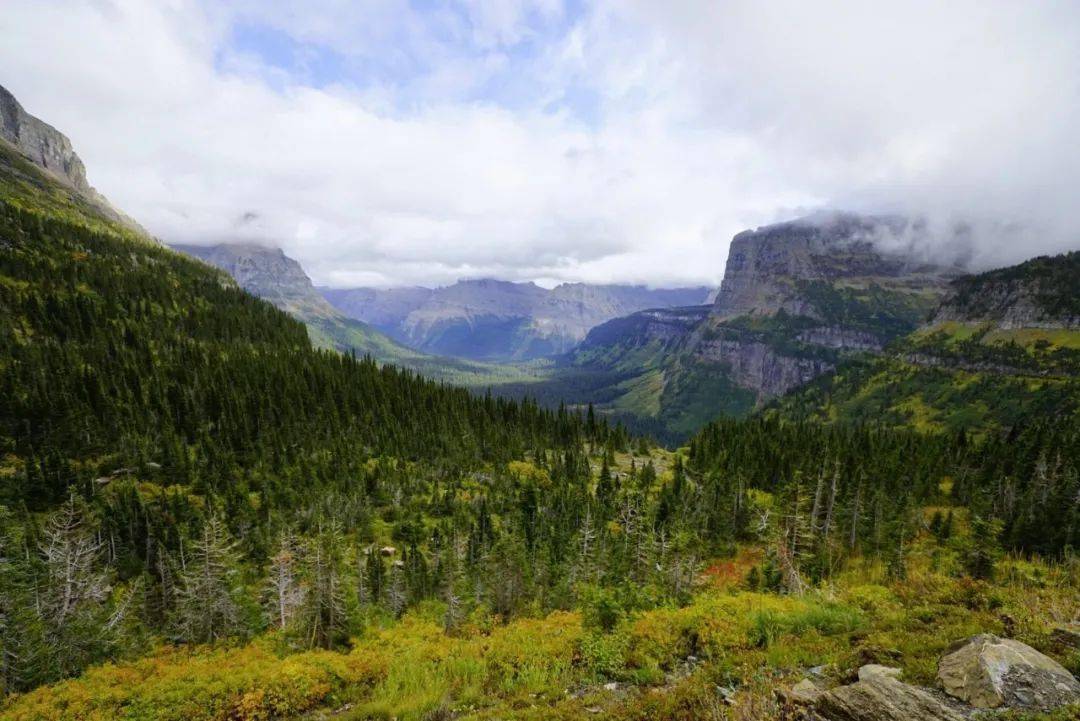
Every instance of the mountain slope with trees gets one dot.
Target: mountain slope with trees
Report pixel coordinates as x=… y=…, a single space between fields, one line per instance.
x=1003 y=348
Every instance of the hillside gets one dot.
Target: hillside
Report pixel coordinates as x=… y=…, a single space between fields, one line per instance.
x=497 y=320
x=797 y=300
x=1002 y=348
x=147 y=396
x=273 y=276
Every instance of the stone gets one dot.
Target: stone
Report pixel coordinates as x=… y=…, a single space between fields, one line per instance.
x=874 y=670
x=990 y=672
x=883 y=698
x=1066 y=636
x=804 y=693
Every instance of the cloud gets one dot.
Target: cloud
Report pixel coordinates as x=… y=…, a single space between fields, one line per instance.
x=528 y=139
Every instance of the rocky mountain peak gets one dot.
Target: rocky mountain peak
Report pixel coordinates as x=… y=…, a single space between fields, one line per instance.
x=41 y=143
x=766 y=266
x=264 y=271
x=49 y=149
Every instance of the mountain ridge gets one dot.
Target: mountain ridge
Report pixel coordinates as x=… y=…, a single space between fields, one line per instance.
x=491 y=319
x=52 y=151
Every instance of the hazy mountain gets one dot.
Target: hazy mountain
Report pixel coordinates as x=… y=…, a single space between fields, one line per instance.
x=270 y=274
x=383 y=308
x=500 y=320
x=797 y=298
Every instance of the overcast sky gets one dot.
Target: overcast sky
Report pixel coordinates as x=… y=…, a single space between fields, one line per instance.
x=390 y=142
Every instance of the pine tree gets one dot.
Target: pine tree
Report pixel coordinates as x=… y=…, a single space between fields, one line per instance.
x=983 y=547
x=207 y=597
x=322 y=618
x=284 y=595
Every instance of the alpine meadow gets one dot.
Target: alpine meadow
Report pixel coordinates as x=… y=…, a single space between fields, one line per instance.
x=530 y=359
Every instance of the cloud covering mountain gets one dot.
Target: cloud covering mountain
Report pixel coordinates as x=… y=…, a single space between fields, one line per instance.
x=396 y=143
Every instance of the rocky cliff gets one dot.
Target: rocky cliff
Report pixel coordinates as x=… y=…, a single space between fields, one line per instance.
x=267 y=273
x=51 y=150
x=797 y=299
x=769 y=268
x=40 y=142
x=1041 y=293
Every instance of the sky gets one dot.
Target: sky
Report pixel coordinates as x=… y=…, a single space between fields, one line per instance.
x=388 y=142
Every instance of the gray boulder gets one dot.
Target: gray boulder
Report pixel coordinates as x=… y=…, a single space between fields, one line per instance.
x=881 y=697
x=989 y=672
x=873 y=670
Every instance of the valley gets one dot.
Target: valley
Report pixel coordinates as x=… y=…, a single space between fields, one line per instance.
x=838 y=488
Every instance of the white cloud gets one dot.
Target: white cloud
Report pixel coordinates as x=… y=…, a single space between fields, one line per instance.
x=464 y=156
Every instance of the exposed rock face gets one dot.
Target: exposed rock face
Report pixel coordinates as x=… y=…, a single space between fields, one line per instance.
x=987 y=672
x=1040 y=293
x=40 y=142
x=881 y=697
x=761 y=367
x=499 y=320
x=840 y=338
x=872 y=670
x=265 y=272
x=49 y=149
x=765 y=265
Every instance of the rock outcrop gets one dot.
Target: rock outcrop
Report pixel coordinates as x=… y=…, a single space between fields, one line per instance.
x=49 y=149
x=882 y=697
x=989 y=672
x=41 y=143
x=267 y=273
x=1039 y=293
x=765 y=266
x=760 y=366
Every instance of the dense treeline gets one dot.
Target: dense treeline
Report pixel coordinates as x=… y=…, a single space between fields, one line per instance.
x=841 y=489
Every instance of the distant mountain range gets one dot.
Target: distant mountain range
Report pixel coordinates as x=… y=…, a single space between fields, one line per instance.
x=268 y=273
x=835 y=317
x=495 y=320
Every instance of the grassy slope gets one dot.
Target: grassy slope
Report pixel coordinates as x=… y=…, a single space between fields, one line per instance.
x=988 y=378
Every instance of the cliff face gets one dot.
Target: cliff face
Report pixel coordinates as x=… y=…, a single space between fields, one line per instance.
x=49 y=149
x=797 y=299
x=759 y=367
x=41 y=143
x=768 y=268
x=1041 y=293
x=267 y=273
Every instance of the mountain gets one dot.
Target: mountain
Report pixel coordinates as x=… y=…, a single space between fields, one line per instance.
x=1002 y=348
x=498 y=320
x=49 y=149
x=382 y=308
x=204 y=516
x=269 y=274
x=797 y=299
